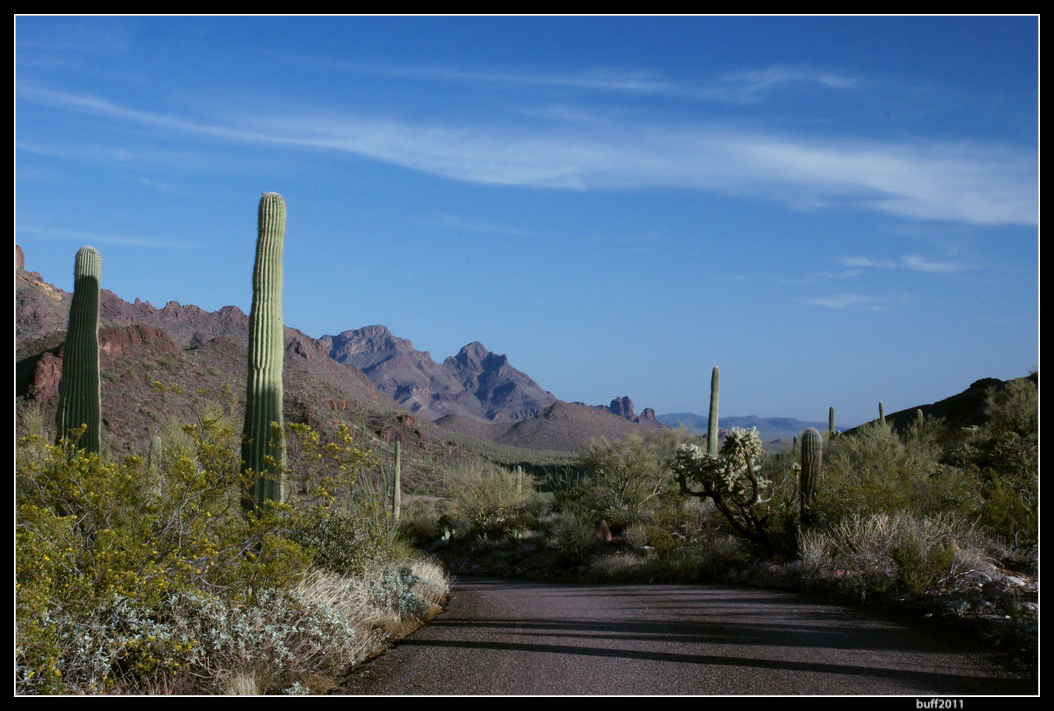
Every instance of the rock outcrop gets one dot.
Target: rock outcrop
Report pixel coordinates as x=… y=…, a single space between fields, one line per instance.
x=474 y=382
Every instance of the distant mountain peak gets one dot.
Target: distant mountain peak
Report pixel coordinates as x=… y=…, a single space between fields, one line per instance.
x=470 y=356
x=475 y=382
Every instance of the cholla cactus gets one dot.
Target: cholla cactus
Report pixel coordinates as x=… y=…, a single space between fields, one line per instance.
x=731 y=479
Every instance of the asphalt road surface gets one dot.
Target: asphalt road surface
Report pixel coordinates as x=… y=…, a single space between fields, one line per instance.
x=520 y=637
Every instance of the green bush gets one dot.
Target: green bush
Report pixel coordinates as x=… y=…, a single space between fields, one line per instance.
x=627 y=476
x=919 y=570
x=883 y=554
x=571 y=536
x=100 y=541
x=875 y=470
x=486 y=503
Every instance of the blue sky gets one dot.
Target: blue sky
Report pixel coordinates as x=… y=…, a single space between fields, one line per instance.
x=833 y=210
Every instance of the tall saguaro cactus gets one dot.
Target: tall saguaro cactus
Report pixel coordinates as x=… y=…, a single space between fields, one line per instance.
x=711 y=422
x=830 y=422
x=80 y=402
x=811 y=470
x=262 y=450
x=397 y=484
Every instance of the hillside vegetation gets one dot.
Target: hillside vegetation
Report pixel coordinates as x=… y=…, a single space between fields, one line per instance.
x=162 y=548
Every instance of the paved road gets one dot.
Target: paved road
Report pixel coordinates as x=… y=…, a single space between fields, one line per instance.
x=519 y=637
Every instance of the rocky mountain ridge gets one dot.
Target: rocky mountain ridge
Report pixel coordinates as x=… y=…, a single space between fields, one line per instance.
x=370 y=368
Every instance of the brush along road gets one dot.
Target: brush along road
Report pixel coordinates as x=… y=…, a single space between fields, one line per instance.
x=519 y=637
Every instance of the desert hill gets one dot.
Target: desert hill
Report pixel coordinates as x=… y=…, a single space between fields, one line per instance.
x=475 y=382
x=164 y=365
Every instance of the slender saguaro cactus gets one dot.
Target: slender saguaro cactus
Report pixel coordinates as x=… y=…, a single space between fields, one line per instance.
x=711 y=423
x=830 y=422
x=920 y=418
x=519 y=480
x=811 y=470
x=262 y=450
x=153 y=468
x=397 y=492
x=80 y=402
x=881 y=413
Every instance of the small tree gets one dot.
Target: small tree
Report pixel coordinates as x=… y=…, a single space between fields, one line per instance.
x=731 y=479
x=627 y=475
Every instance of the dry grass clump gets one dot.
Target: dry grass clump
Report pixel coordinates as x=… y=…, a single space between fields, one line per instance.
x=898 y=552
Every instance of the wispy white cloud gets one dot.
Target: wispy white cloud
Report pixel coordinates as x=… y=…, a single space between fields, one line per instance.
x=868 y=262
x=866 y=302
x=920 y=263
x=918 y=180
x=736 y=87
x=847 y=274
x=912 y=262
x=102 y=238
x=611 y=79
x=751 y=84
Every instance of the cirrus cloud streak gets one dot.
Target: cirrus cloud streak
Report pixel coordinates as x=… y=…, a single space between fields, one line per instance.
x=921 y=180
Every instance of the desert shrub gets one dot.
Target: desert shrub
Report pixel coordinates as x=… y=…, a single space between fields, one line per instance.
x=571 y=537
x=337 y=511
x=419 y=524
x=102 y=561
x=882 y=554
x=1005 y=457
x=875 y=470
x=1013 y=411
x=627 y=476
x=485 y=501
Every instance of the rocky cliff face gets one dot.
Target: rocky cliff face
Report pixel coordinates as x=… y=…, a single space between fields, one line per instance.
x=623 y=407
x=475 y=382
x=370 y=363
x=177 y=344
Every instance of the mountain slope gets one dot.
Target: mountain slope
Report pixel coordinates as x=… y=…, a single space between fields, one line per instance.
x=473 y=383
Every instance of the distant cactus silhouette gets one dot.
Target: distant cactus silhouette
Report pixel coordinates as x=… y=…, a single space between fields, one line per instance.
x=80 y=400
x=881 y=413
x=262 y=450
x=711 y=423
x=830 y=422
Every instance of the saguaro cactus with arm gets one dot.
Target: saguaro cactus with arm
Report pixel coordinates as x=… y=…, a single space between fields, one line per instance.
x=262 y=450
x=80 y=401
